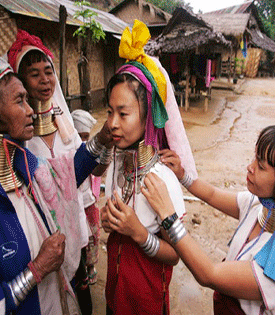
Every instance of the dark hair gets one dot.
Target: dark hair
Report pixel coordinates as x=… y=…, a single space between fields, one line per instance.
x=32 y=56
x=265 y=145
x=138 y=89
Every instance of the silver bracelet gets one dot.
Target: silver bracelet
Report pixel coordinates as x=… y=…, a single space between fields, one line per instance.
x=94 y=146
x=21 y=285
x=177 y=231
x=152 y=245
x=106 y=156
x=30 y=279
x=187 y=180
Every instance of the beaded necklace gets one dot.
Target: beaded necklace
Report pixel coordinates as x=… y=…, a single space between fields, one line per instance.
x=136 y=164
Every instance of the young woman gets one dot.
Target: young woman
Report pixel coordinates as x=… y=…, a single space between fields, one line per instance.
x=140 y=258
x=245 y=282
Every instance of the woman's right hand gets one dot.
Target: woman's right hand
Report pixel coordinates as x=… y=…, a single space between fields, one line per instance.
x=172 y=160
x=157 y=195
x=105 y=220
x=105 y=137
x=51 y=254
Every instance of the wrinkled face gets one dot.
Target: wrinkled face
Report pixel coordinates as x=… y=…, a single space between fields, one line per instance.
x=40 y=80
x=124 y=117
x=261 y=178
x=15 y=113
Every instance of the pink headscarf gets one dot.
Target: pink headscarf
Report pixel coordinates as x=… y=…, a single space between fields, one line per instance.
x=151 y=132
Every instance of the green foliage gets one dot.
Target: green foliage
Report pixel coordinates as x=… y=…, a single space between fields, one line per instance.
x=266 y=9
x=89 y=23
x=239 y=65
x=170 y=5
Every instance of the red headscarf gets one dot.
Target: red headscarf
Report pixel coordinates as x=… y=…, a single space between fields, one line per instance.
x=25 y=39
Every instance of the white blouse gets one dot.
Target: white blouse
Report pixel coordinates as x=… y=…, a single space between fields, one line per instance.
x=145 y=213
x=249 y=207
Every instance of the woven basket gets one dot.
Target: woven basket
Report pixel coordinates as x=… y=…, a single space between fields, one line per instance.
x=8 y=31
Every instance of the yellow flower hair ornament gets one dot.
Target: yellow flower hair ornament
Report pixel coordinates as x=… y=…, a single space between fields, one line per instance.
x=131 y=48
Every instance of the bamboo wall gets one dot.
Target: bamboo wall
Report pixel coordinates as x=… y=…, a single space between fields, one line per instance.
x=252 y=62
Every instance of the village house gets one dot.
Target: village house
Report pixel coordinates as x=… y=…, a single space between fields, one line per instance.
x=41 y=18
x=241 y=24
x=155 y=18
x=191 y=52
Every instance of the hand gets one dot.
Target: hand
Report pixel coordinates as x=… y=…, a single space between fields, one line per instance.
x=105 y=137
x=172 y=160
x=157 y=195
x=104 y=220
x=124 y=220
x=51 y=254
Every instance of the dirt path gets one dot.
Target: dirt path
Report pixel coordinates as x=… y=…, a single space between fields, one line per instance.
x=222 y=141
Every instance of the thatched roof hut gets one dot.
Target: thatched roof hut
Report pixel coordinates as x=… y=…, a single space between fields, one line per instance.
x=185 y=32
x=228 y=24
x=242 y=25
x=235 y=26
x=190 y=51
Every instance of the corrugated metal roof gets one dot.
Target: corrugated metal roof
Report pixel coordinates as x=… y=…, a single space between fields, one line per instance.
x=49 y=10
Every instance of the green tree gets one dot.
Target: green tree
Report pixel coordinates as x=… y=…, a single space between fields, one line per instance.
x=170 y=5
x=90 y=32
x=90 y=25
x=266 y=9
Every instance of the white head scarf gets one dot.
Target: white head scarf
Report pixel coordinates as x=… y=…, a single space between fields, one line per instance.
x=58 y=96
x=4 y=67
x=83 y=120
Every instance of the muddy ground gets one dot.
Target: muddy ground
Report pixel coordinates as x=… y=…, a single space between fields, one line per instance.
x=222 y=141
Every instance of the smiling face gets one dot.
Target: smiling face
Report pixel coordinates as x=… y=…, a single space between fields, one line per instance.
x=125 y=120
x=15 y=113
x=39 y=80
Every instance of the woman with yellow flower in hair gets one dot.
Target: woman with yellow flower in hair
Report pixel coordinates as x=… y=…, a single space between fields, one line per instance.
x=140 y=257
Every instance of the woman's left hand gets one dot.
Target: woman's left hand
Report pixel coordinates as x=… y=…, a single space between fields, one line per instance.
x=124 y=220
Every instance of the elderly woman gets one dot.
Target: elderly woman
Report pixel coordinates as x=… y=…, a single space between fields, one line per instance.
x=38 y=209
x=54 y=133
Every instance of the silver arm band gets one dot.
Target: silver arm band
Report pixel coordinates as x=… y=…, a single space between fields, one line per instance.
x=21 y=285
x=177 y=231
x=94 y=146
x=187 y=180
x=152 y=245
x=16 y=302
x=29 y=278
x=106 y=156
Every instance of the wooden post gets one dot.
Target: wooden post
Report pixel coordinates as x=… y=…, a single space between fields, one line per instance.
x=187 y=91
x=83 y=71
x=206 y=100
x=62 y=49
